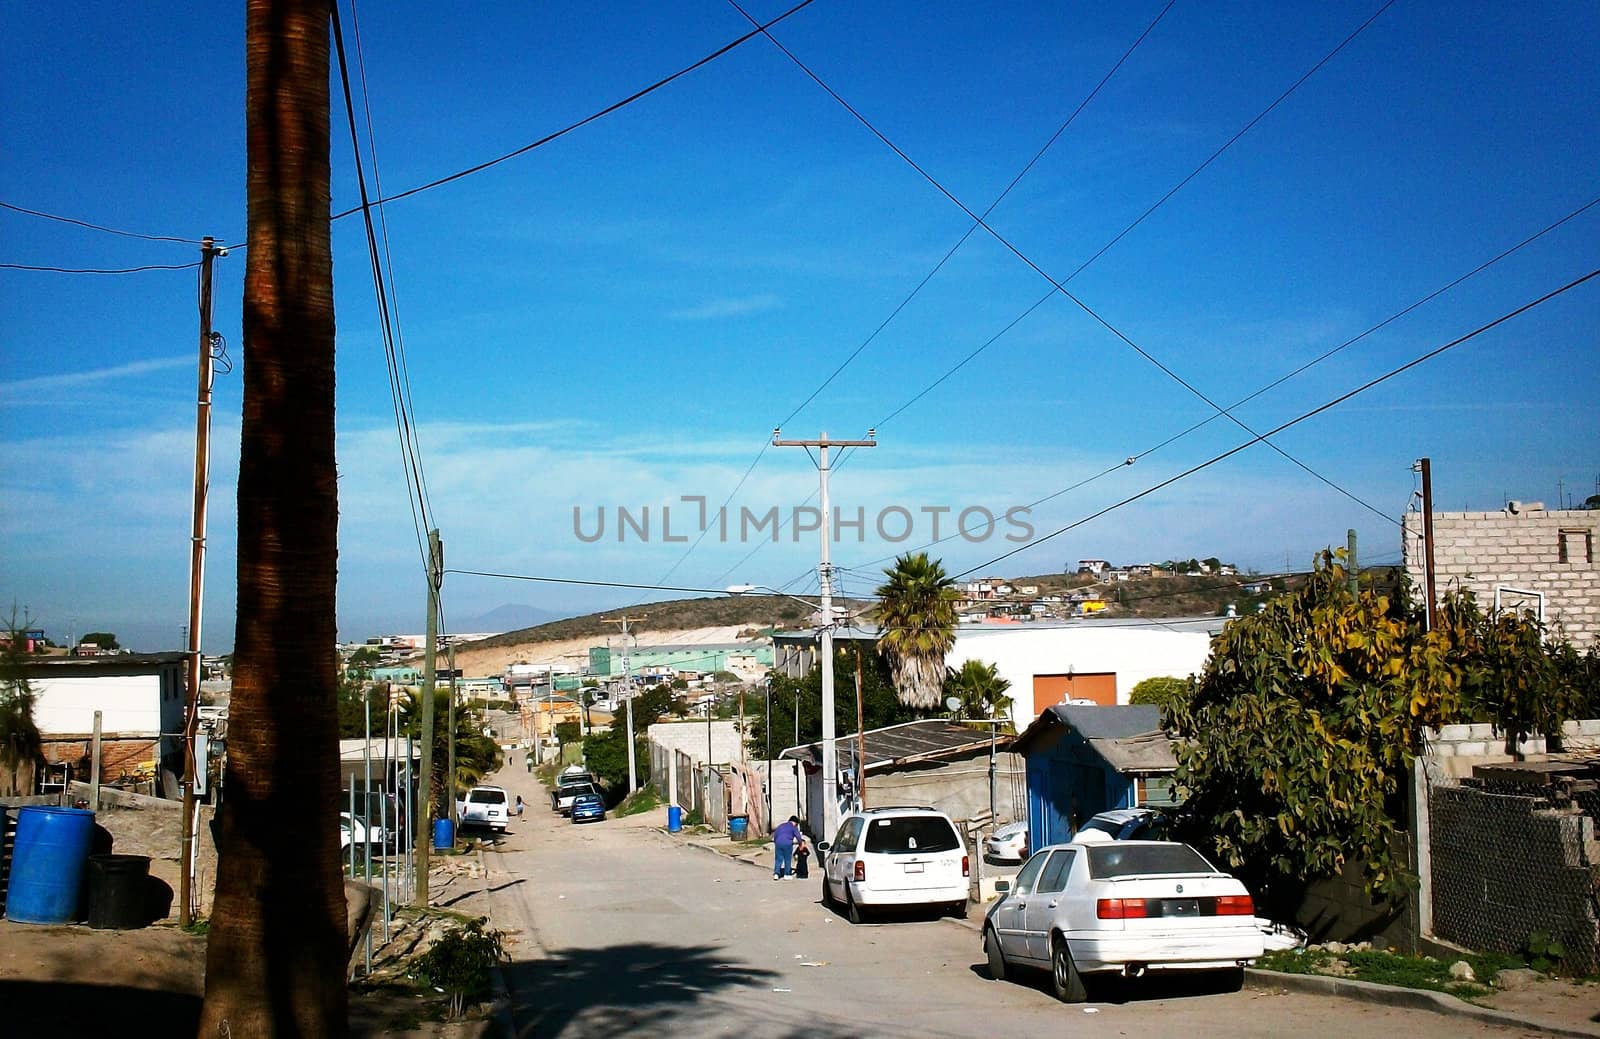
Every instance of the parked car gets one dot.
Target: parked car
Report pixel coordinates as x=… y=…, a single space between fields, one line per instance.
x=895 y=857
x=564 y=796
x=354 y=830
x=1009 y=843
x=574 y=776
x=1121 y=907
x=586 y=807
x=485 y=806
x=1124 y=824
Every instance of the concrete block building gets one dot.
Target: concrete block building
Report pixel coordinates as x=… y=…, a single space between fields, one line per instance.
x=1522 y=557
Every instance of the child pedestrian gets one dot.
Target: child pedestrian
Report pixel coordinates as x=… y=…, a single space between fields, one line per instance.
x=802 y=858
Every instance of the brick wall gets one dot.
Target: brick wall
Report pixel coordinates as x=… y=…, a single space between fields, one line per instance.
x=1480 y=551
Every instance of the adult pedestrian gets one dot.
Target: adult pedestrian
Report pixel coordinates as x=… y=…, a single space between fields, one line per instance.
x=783 y=841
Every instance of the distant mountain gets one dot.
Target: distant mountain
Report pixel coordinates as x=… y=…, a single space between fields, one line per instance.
x=510 y=617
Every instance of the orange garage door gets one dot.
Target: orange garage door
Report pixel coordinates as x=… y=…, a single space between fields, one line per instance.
x=1049 y=690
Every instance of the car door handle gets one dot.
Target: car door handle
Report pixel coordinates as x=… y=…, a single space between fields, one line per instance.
x=1050 y=905
x=1022 y=905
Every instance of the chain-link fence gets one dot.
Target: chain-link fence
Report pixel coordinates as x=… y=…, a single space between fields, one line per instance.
x=1510 y=862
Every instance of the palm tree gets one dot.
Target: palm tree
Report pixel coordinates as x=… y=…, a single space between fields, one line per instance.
x=980 y=689
x=918 y=618
x=277 y=950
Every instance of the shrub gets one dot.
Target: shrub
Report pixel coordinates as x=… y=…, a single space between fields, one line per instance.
x=460 y=963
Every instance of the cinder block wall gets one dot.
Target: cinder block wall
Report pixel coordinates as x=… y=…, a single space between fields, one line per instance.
x=1482 y=550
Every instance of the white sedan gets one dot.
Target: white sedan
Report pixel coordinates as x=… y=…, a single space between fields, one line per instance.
x=1009 y=843
x=1123 y=907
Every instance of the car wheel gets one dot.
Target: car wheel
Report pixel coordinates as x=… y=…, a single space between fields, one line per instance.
x=1230 y=980
x=997 y=959
x=958 y=910
x=852 y=909
x=827 y=893
x=1065 y=981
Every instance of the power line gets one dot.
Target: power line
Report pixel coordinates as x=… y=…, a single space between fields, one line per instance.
x=411 y=462
x=98 y=227
x=1294 y=421
x=1402 y=312
x=101 y=270
x=586 y=120
x=1028 y=167
x=1059 y=286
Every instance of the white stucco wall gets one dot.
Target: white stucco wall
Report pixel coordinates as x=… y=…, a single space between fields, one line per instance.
x=1131 y=653
x=129 y=704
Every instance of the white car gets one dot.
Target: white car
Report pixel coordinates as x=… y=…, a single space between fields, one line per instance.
x=1009 y=843
x=1123 y=824
x=895 y=857
x=1121 y=907
x=485 y=806
x=356 y=831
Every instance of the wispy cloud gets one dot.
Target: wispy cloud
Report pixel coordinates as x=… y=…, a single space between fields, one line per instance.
x=92 y=375
x=723 y=308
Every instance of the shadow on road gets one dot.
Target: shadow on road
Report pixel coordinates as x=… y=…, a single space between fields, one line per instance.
x=629 y=989
x=1120 y=990
x=67 y=1008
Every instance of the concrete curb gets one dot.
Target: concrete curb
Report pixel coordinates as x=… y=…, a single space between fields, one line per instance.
x=1409 y=998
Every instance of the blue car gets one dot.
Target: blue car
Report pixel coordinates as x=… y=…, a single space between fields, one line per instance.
x=586 y=807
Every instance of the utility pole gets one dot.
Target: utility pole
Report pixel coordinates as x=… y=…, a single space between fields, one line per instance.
x=627 y=692
x=1426 y=466
x=830 y=753
x=1350 y=565
x=425 y=801
x=861 y=738
x=209 y=250
x=450 y=776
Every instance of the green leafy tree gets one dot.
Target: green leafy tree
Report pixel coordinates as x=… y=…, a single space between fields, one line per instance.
x=606 y=751
x=802 y=697
x=980 y=689
x=21 y=747
x=476 y=754
x=365 y=657
x=1301 y=730
x=1166 y=693
x=568 y=732
x=355 y=693
x=103 y=639
x=917 y=613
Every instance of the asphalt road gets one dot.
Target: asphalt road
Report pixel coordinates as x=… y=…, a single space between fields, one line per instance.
x=620 y=929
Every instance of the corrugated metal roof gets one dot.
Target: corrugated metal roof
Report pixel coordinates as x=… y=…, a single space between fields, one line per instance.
x=1148 y=752
x=926 y=740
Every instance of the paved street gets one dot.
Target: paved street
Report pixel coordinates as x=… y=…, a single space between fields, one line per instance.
x=620 y=928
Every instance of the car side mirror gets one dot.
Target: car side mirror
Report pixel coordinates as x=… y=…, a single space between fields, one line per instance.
x=823 y=847
x=1002 y=886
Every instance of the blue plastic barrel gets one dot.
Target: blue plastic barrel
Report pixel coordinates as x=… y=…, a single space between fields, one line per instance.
x=48 y=859
x=737 y=825
x=674 y=818
x=444 y=835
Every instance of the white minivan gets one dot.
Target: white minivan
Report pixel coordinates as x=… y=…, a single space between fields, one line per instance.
x=899 y=856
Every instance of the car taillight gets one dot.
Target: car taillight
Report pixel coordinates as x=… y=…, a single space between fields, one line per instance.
x=861 y=872
x=1120 y=909
x=1235 y=905
x=966 y=867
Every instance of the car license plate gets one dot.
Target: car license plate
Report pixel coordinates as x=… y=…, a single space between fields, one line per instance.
x=1180 y=907
x=913 y=867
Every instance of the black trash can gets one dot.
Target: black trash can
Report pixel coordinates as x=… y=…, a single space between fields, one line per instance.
x=117 y=891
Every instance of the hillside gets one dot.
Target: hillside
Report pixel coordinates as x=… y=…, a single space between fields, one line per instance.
x=742 y=611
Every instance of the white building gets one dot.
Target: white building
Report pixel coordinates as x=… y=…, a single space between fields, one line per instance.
x=140 y=698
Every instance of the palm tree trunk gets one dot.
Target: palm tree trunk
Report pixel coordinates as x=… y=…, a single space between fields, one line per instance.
x=276 y=956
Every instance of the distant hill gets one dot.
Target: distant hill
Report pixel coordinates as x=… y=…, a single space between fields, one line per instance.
x=509 y=617
x=753 y=611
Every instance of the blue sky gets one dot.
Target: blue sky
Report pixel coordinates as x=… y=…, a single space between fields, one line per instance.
x=621 y=317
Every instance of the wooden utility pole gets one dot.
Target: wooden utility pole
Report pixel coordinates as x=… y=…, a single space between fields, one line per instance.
x=427 y=794
x=450 y=774
x=197 y=576
x=1351 y=567
x=830 y=752
x=1426 y=466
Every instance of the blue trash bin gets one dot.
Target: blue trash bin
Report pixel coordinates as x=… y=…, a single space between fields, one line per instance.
x=738 y=825
x=674 y=819
x=444 y=835
x=48 y=858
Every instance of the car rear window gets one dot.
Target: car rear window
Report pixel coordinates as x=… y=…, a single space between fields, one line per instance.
x=487 y=797
x=911 y=834
x=1138 y=860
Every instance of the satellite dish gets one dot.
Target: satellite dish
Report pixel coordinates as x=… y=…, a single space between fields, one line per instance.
x=953 y=702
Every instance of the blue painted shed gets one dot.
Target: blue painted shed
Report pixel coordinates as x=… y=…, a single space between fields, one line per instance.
x=1083 y=759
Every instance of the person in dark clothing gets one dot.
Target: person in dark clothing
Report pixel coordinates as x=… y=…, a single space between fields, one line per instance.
x=802 y=858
